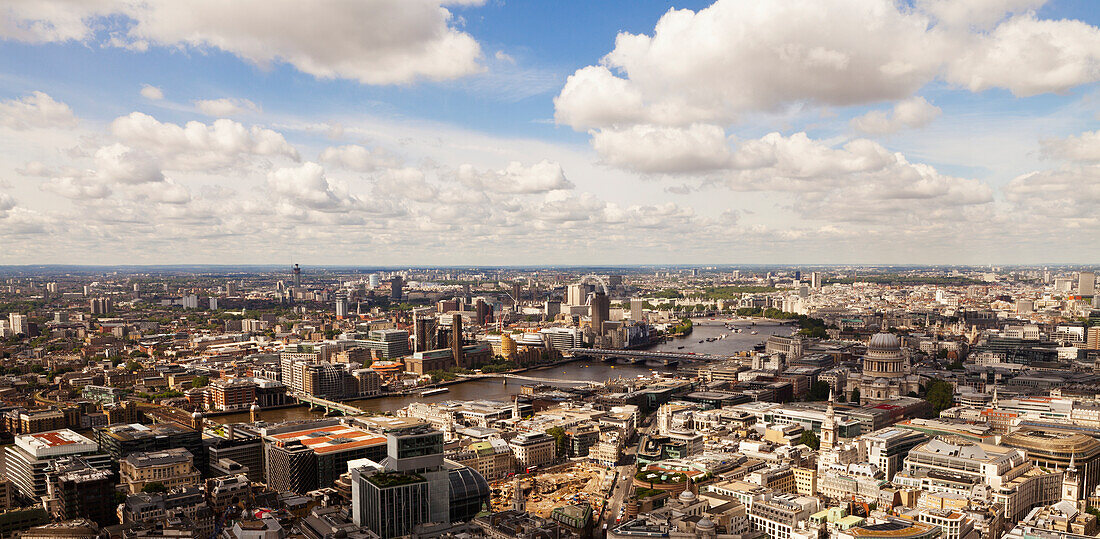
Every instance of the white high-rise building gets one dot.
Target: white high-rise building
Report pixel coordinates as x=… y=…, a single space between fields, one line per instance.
x=342 y=305
x=815 y=280
x=18 y=323
x=373 y=280
x=575 y=294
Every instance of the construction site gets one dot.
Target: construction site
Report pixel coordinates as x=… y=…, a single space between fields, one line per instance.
x=577 y=483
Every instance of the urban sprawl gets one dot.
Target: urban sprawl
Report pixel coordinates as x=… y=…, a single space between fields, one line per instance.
x=781 y=402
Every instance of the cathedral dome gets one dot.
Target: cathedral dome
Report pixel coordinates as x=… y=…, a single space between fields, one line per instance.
x=884 y=342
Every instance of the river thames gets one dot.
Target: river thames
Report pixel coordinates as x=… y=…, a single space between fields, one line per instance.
x=579 y=371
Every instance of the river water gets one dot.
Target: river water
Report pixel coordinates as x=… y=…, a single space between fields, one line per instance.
x=580 y=371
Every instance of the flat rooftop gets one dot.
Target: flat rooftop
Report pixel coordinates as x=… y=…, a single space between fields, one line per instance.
x=331 y=438
x=57 y=442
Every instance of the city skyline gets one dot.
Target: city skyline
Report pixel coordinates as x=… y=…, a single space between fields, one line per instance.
x=457 y=133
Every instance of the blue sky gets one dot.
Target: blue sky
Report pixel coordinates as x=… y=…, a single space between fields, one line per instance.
x=523 y=133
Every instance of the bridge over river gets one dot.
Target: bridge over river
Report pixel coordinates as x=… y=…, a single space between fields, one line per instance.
x=668 y=358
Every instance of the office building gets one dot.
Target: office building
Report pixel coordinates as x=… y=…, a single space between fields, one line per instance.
x=887 y=448
x=396 y=286
x=599 y=311
x=186 y=504
x=1057 y=450
x=242 y=445
x=636 y=309
x=26 y=460
x=414 y=485
x=533 y=449
x=297 y=272
x=389 y=343
x=230 y=394
x=1086 y=283
x=172 y=468
x=962 y=468
x=77 y=489
x=305 y=455
x=562 y=338
x=123 y=439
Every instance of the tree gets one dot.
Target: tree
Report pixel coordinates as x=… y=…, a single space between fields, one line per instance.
x=855 y=395
x=133 y=366
x=560 y=440
x=200 y=381
x=819 y=391
x=941 y=395
x=154 y=487
x=809 y=439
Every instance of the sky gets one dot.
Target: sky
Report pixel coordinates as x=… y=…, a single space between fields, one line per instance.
x=496 y=132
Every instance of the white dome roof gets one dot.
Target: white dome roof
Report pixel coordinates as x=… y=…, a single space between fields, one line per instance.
x=705 y=524
x=687 y=496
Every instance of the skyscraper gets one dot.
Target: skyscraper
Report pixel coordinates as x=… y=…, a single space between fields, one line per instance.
x=297 y=276
x=599 y=311
x=424 y=331
x=815 y=280
x=18 y=323
x=484 y=311
x=341 y=304
x=636 y=307
x=396 y=285
x=575 y=294
x=1086 y=283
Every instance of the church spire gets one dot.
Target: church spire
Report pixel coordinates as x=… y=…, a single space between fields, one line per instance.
x=828 y=427
x=1071 y=483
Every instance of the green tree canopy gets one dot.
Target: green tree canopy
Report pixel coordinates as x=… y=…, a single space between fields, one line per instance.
x=940 y=394
x=809 y=439
x=200 y=381
x=560 y=440
x=819 y=391
x=154 y=487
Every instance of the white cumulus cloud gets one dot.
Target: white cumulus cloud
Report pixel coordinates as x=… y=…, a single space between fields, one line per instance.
x=371 y=41
x=152 y=92
x=516 y=178
x=912 y=112
x=199 y=146
x=37 y=110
